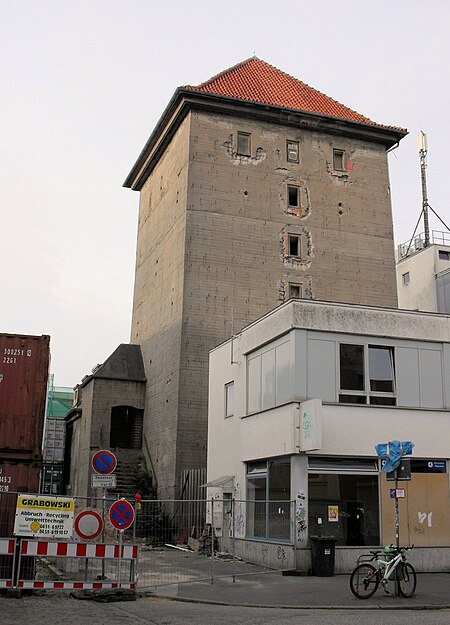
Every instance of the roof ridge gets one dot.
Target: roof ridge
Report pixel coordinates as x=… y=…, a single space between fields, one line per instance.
x=222 y=73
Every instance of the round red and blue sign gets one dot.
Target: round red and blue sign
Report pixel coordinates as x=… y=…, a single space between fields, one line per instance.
x=104 y=462
x=121 y=514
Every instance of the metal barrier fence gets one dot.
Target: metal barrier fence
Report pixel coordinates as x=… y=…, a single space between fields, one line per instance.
x=179 y=541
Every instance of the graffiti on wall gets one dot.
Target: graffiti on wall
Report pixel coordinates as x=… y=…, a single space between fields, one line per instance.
x=300 y=517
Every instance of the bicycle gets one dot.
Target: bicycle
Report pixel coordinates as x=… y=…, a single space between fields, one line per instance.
x=366 y=577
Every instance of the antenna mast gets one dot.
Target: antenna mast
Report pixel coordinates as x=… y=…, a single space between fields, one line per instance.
x=423 y=149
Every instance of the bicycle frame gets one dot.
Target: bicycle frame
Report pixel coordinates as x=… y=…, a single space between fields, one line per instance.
x=388 y=566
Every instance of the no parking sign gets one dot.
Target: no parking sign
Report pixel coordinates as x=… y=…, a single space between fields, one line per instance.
x=121 y=514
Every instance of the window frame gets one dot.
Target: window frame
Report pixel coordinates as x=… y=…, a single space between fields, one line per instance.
x=406 y=278
x=262 y=471
x=294 y=236
x=341 y=153
x=294 y=143
x=298 y=285
x=367 y=396
x=247 y=135
x=229 y=385
x=443 y=255
x=297 y=190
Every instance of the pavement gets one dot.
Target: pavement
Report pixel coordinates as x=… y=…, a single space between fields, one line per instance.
x=187 y=577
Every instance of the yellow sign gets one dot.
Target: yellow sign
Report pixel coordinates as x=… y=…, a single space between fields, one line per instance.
x=44 y=517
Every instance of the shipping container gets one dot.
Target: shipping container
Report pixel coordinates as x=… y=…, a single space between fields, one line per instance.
x=24 y=369
x=22 y=477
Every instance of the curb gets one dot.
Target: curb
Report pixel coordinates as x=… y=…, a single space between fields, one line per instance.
x=365 y=607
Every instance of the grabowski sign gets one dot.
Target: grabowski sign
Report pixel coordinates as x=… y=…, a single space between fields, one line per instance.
x=49 y=517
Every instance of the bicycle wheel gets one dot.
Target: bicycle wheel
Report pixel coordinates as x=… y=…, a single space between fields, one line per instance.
x=364 y=581
x=407 y=580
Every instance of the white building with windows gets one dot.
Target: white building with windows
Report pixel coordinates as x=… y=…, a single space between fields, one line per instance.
x=297 y=402
x=423 y=273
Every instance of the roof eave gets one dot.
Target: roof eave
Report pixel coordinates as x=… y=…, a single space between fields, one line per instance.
x=184 y=100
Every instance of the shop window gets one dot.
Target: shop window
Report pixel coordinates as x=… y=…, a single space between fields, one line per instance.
x=339 y=160
x=126 y=427
x=345 y=506
x=376 y=388
x=229 y=399
x=243 y=143
x=292 y=151
x=268 y=499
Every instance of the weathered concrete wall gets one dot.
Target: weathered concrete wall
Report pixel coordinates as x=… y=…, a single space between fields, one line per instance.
x=213 y=231
x=236 y=230
x=92 y=431
x=158 y=303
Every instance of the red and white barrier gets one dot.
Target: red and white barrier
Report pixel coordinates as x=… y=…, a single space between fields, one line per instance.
x=77 y=550
x=72 y=585
x=7 y=546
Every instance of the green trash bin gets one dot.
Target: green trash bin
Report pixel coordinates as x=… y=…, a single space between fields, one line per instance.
x=322 y=555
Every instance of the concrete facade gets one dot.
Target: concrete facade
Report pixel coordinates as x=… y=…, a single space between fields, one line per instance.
x=88 y=424
x=298 y=344
x=213 y=244
x=423 y=277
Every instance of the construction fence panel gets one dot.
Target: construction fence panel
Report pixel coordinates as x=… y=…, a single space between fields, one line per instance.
x=203 y=540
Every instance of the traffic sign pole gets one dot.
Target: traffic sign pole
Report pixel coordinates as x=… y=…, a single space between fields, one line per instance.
x=119 y=561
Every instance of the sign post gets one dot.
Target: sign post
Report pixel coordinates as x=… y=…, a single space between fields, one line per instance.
x=392 y=454
x=121 y=515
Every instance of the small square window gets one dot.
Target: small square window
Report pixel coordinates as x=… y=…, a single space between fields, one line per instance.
x=294 y=245
x=295 y=291
x=293 y=196
x=443 y=255
x=243 y=143
x=229 y=399
x=339 y=160
x=406 y=278
x=292 y=151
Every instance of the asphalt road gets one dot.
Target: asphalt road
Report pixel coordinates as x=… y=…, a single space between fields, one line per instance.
x=58 y=609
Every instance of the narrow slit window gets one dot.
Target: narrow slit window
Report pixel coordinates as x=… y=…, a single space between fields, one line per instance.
x=406 y=278
x=243 y=143
x=293 y=196
x=229 y=399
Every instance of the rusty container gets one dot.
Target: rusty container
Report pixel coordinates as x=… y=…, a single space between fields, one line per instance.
x=15 y=477
x=24 y=368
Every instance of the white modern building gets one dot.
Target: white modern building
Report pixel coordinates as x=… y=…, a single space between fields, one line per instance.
x=423 y=273
x=297 y=402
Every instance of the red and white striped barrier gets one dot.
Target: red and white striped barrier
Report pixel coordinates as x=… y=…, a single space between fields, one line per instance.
x=77 y=550
x=72 y=585
x=7 y=546
x=5 y=583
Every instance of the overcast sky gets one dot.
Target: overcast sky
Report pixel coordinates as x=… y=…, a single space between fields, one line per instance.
x=83 y=84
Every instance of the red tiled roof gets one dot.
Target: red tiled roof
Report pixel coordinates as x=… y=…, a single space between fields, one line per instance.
x=257 y=81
